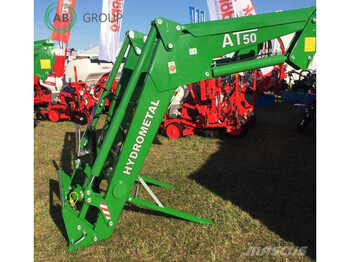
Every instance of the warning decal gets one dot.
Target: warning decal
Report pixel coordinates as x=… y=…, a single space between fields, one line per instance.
x=45 y=64
x=172 y=67
x=310 y=44
x=105 y=210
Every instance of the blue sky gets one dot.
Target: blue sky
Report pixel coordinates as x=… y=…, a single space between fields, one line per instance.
x=138 y=15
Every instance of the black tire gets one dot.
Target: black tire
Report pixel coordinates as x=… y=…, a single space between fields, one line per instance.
x=243 y=133
x=80 y=118
x=211 y=133
x=40 y=116
x=252 y=120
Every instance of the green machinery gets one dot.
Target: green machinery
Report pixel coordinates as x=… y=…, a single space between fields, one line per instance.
x=171 y=55
x=44 y=58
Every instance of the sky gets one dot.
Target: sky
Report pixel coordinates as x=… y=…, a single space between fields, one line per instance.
x=138 y=15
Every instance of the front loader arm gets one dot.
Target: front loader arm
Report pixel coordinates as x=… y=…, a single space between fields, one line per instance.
x=131 y=50
x=199 y=44
x=173 y=55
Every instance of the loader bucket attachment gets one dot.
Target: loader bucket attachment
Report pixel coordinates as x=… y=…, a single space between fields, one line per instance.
x=155 y=65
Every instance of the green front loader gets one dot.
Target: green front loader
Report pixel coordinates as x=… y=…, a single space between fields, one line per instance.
x=170 y=55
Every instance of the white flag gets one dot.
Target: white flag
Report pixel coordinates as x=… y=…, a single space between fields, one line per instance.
x=110 y=29
x=244 y=7
x=224 y=9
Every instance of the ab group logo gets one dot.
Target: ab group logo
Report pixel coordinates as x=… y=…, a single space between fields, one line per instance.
x=60 y=17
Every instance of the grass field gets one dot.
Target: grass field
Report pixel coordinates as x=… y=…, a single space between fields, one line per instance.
x=259 y=191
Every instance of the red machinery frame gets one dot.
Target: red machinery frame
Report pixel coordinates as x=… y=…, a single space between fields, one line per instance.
x=217 y=104
x=74 y=103
x=273 y=81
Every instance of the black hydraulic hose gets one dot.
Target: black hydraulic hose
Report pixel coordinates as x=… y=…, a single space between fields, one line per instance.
x=93 y=145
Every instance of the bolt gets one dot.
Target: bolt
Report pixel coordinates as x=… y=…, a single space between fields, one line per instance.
x=77 y=163
x=89 y=200
x=101 y=105
x=94 y=238
x=131 y=34
x=293 y=57
x=170 y=45
x=309 y=57
x=314 y=20
x=88 y=192
x=110 y=223
x=79 y=227
x=206 y=73
x=159 y=21
x=178 y=27
x=138 y=50
x=130 y=199
x=45 y=48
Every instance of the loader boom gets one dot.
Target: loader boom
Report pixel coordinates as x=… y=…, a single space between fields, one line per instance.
x=154 y=67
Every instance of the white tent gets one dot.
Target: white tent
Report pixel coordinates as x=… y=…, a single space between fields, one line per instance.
x=93 y=52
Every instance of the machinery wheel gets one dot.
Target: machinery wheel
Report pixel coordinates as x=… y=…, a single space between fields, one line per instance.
x=80 y=118
x=252 y=120
x=244 y=131
x=241 y=132
x=54 y=115
x=174 y=130
x=212 y=133
x=40 y=116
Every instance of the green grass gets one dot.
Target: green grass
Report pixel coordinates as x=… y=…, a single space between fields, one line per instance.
x=259 y=191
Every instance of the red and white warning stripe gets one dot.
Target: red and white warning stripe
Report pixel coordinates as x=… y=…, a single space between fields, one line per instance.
x=105 y=211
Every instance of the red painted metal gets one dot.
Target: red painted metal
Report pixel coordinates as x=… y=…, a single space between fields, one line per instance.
x=54 y=115
x=174 y=130
x=74 y=103
x=59 y=65
x=272 y=82
x=214 y=103
x=41 y=94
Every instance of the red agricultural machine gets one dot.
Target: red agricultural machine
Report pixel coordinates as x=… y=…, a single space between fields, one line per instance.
x=271 y=82
x=74 y=103
x=220 y=103
x=56 y=99
x=271 y=79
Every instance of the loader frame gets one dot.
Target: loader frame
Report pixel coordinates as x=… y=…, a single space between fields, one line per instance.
x=155 y=66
